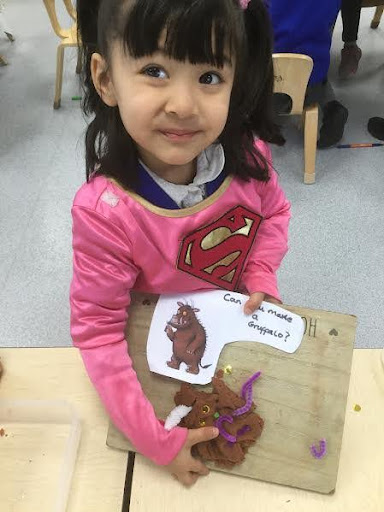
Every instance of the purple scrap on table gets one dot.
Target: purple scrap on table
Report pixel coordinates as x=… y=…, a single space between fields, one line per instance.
x=319 y=454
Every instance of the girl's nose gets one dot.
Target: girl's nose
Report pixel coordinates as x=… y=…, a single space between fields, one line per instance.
x=181 y=101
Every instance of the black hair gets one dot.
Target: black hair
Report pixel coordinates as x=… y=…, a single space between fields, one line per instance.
x=189 y=25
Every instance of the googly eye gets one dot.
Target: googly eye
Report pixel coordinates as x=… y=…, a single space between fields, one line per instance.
x=205 y=409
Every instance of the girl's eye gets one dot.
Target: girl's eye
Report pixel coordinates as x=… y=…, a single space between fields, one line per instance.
x=210 y=79
x=155 y=72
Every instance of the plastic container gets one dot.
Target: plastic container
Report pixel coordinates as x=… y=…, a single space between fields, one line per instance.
x=39 y=441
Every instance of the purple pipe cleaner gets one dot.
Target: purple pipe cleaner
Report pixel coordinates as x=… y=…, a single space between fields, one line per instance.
x=246 y=393
x=248 y=384
x=241 y=431
x=223 y=432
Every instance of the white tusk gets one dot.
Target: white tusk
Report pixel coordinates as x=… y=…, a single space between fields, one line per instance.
x=176 y=415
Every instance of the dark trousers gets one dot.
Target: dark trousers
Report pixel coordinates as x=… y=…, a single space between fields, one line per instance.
x=320 y=93
x=350 y=14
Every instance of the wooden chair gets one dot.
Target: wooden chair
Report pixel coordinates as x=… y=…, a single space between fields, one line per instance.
x=7 y=31
x=379 y=4
x=292 y=72
x=68 y=38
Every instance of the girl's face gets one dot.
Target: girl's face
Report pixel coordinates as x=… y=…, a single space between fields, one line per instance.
x=172 y=110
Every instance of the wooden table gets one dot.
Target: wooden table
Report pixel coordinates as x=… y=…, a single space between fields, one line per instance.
x=58 y=374
x=360 y=485
x=100 y=474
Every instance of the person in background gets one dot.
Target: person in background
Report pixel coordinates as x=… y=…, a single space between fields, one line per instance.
x=351 y=53
x=306 y=26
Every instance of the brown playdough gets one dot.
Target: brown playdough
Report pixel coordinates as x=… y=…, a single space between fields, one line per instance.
x=224 y=401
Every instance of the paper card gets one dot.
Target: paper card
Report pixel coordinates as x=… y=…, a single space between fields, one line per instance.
x=188 y=332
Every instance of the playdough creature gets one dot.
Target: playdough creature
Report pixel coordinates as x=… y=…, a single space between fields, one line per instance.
x=239 y=426
x=189 y=339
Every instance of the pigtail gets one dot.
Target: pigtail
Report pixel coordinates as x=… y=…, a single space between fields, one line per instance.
x=259 y=37
x=250 y=112
x=109 y=150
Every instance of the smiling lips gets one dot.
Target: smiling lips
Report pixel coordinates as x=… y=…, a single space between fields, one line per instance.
x=178 y=135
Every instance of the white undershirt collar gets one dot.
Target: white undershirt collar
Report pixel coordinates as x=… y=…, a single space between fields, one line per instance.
x=209 y=165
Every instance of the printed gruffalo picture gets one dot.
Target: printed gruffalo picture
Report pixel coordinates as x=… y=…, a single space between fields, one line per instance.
x=188 y=338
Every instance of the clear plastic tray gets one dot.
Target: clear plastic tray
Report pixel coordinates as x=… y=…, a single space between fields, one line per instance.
x=39 y=440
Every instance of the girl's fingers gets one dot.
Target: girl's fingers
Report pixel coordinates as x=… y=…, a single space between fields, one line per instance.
x=200 y=468
x=271 y=299
x=253 y=303
x=188 y=478
x=199 y=435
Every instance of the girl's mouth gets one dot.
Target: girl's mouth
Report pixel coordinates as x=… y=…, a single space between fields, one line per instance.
x=178 y=136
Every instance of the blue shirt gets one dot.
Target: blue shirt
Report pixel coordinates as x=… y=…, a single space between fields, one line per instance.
x=305 y=26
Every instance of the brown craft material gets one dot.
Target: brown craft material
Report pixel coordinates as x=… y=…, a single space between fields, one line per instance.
x=224 y=401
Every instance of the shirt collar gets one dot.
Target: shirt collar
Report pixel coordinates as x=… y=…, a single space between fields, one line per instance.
x=209 y=165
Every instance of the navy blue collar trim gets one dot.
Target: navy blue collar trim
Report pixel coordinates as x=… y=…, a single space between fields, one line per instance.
x=152 y=192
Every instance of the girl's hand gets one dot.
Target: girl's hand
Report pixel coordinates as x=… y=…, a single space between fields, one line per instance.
x=184 y=467
x=255 y=299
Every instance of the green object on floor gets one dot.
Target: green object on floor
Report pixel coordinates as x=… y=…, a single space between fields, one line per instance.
x=76 y=98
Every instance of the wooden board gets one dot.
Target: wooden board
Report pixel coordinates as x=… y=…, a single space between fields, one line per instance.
x=301 y=396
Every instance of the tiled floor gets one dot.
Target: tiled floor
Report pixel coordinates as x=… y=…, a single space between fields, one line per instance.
x=336 y=253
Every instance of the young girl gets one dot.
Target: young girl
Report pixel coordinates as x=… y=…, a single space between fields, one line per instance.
x=178 y=180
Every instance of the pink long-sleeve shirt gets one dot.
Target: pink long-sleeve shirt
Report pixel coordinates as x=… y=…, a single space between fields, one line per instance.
x=234 y=239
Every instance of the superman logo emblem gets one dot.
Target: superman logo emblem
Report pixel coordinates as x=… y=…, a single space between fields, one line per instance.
x=217 y=252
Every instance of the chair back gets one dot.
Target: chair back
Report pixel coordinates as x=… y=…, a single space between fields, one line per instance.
x=292 y=72
x=371 y=3
x=50 y=5
x=70 y=9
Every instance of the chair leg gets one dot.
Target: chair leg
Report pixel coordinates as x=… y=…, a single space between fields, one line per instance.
x=4 y=26
x=59 y=76
x=311 y=116
x=79 y=63
x=377 y=17
x=300 y=121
